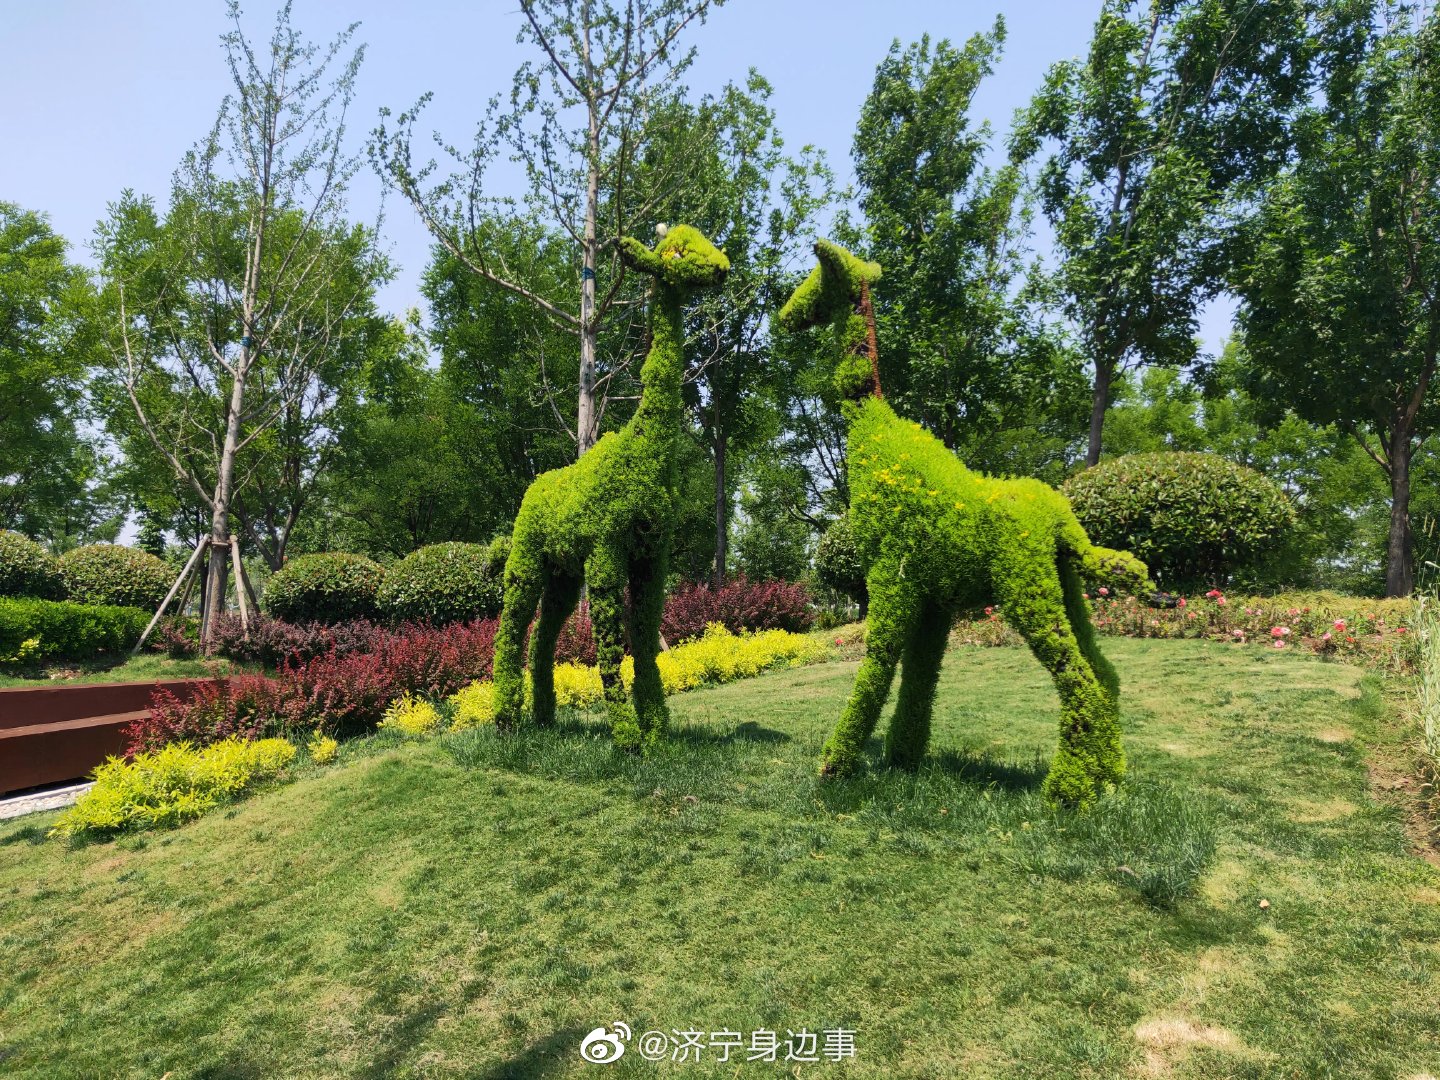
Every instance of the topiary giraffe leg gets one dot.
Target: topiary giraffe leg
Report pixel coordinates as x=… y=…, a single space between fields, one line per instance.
x=894 y=609
x=909 y=733
x=561 y=594
x=647 y=605
x=1089 y=758
x=525 y=577
x=605 y=574
x=1078 y=612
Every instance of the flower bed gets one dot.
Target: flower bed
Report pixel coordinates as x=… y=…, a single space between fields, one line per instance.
x=337 y=693
x=1373 y=632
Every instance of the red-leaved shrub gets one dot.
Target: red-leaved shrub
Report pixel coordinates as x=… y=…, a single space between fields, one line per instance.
x=739 y=605
x=344 y=691
x=241 y=705
x=340 y=679
x=273 y=642
x=576 y=644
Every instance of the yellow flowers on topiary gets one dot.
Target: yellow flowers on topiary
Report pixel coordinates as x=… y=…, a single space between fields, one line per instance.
x=935 y=537
x=172 y=785
x=607 y=521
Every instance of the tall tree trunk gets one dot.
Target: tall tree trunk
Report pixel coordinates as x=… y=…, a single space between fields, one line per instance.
x=586 y=419
x=1399 y=570
x=1104 y=375
x=722 y=511
x=224 y=491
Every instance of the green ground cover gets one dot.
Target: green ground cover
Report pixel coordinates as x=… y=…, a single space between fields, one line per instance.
x=127 y=668
x=471 y=906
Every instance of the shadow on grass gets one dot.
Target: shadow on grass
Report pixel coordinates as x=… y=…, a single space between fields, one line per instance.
x=988 y=771
x=554 y=1053
x=27 y=834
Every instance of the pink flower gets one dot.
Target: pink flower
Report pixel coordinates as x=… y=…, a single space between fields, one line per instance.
x=1086 y=595
x=1220 y=600
x=989 y=611
x=1189 y=614
x=1340 y=624
x=1279 y=631
x=1325 y=636
x=1279 y=643
x=1214 y=594
x=1180 y=602
x=1238 y=634
x=1103 y=591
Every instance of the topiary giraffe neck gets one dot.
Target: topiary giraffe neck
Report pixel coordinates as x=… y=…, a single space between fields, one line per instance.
x=663 y=372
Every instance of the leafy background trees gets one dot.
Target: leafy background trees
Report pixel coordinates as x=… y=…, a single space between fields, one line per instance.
x=1044 y=278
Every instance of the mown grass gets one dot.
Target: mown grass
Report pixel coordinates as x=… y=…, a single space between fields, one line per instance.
x=472 y=906
x=125 y=668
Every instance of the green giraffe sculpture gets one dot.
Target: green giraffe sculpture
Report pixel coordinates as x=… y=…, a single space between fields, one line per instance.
x=607 y=520
x=937 y=537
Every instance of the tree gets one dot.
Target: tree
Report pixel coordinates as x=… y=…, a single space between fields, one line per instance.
x=230 y=309
x=1178 y=102
x=1340 y=276
x=577 y=120
x=50 y=469
x=1339 y=497
x=757 y=201
x=961 y=352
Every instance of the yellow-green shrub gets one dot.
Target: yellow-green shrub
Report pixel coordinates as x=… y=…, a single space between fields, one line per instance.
x=579 y=686
x=323 y=749
x=473 y=706
x=172 y=785
x=720 y=656
x=411 y=716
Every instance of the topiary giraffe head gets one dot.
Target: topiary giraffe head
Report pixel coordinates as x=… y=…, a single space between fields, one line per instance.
x=682 y=259
x=837 y=293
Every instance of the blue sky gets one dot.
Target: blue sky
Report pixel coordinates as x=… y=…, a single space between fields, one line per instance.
x=107 y=94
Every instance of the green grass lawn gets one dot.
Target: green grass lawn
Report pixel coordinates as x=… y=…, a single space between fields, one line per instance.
x=470 y=906
x=125 y=668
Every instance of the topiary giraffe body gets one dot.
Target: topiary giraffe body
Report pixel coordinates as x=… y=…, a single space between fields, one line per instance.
x=937 y=537
x=607 y=521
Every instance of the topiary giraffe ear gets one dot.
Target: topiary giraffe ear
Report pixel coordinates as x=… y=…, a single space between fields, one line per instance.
x=831 y=291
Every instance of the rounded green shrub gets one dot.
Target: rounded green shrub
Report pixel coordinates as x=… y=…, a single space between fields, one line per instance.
x=839 y=566
x=330 y=587
x=1195 y=519
x=27 y=569
x=445 y=583
x=114 y=574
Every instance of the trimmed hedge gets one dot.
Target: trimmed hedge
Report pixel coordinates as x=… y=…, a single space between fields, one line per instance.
x=446 y=583
x=331 y=587
x=116 y=575
x=63 y=629
x=1195 y=519
x=27 y=569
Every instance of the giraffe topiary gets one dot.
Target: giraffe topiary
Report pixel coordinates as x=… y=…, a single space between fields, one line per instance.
x=936 y=537
x=606 y=521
